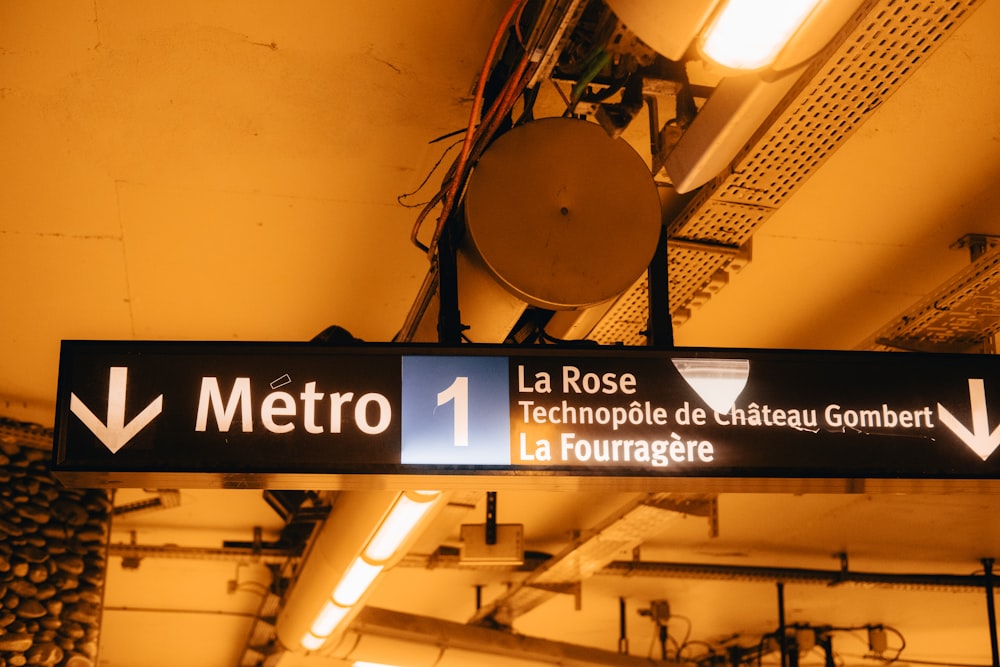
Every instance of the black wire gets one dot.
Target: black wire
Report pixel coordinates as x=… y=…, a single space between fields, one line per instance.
x=697 y=642
x=902 y=640
x=760 y=649
x=400 y=198
x=755 y=654
x=448 y=135
x=687 y=635
x=583 y=342
x=528 y=99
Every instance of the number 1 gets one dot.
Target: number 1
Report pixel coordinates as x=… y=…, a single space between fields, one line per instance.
x=458 y=392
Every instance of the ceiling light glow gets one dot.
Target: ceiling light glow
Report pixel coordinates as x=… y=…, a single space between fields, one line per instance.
x=311 y=642
x=356 y=581
x=749 y=34
x=405 y=514
x=325 y=622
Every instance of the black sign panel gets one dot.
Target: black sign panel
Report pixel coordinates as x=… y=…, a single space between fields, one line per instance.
x=305 y=416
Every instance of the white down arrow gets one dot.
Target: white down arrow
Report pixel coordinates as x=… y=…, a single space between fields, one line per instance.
x=979 y=439
x=115 y=433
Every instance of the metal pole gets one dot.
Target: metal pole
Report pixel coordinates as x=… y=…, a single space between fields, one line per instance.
x=781 y=624
x=622 y=636
x=660 y=331
x=491 y=517
x=991 y=611
x=449 y=317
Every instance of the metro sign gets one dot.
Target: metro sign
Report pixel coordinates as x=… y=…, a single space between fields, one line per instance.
x=306 y=416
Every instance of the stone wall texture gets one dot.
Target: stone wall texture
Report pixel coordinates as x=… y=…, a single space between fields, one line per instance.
x=53 y=556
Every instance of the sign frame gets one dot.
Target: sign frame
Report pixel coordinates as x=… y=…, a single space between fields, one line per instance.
x=117 y=395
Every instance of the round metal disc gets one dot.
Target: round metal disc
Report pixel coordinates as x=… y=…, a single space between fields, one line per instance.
x=561 y=214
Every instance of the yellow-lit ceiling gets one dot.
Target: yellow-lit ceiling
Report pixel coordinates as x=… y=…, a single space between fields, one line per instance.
x=235 y=171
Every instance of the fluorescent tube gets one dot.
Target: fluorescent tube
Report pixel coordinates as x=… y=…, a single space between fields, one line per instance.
x=355 y=582
x=405 y=514
x=749 y=34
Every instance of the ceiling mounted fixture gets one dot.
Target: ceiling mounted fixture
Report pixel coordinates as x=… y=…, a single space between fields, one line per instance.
x=760 y=49
x=739 y=35
x=559 y=216
x=346 y=558
x=562 y=215
x=855 y=74
x=749 y=35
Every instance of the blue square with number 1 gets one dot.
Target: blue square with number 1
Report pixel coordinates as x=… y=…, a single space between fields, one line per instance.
x=456 y=411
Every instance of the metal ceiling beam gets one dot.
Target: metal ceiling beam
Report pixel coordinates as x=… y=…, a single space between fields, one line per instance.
x=383 y=635
x=736 y=573
x=791 y=575
x=962 y=315
x=265 y=554
x=629 y=526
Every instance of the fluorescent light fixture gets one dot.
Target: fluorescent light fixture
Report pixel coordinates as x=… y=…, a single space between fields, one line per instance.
x=356 y=581
x=329 y=617
x=405 y=514
x=363 y=535
x=311 y=642
x=749 y=34
x=668 y=28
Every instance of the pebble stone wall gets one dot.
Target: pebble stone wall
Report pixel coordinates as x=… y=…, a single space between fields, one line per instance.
x=53 y=546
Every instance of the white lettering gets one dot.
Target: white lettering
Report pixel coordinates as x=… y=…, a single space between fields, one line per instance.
x=239 y=397
x=384 y=412
x=337 y=401
x=279 y=410
x=277 y=404
x=881 y=418
x=658 y=453
x=525 y=456
x=309 y=398
x=594 y=383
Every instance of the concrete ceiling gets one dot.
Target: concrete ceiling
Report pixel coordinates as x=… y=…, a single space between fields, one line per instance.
x=225 y=171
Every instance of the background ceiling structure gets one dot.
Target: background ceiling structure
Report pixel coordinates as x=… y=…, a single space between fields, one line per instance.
x=233 y=171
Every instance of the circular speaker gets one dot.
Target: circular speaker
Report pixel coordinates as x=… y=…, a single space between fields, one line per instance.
x=561 y=214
